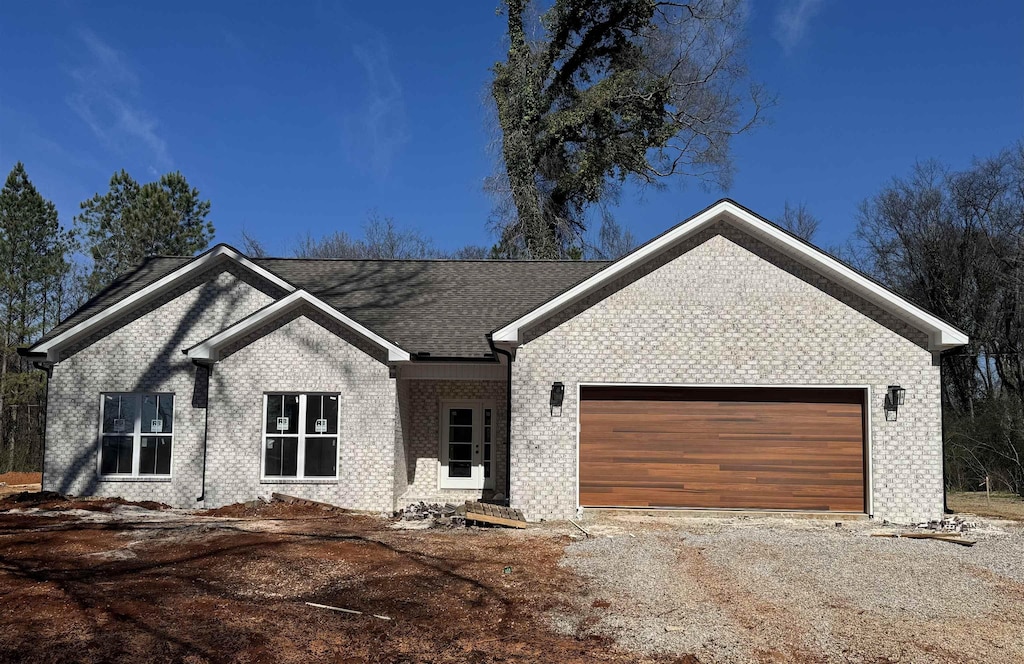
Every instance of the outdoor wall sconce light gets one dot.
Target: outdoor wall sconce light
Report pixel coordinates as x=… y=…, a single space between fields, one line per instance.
x=895 y=396
x=557 y=396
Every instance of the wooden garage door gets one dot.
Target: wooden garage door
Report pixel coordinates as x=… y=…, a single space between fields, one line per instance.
x=725 y=448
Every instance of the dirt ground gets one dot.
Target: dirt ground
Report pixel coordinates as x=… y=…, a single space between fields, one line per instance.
x=122 y=583
x=799 y=590
x=11 y=483
x=21 y=478
x=103 y=580
x=996 y=506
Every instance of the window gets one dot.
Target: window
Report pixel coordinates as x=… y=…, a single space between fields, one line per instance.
x=300 y=436
x=487 y=446
x=136 y=434
x=467 y=439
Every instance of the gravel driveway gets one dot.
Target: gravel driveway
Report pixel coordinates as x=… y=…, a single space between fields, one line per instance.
x=783 y=590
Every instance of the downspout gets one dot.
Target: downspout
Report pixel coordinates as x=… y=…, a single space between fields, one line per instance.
x=206 y=429
x=48 y=369
x=942 y=425
x=508 y=421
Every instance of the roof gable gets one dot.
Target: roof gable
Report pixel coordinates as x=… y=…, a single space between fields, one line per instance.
x=209 y=350
x=97 y=316
x=942 y=335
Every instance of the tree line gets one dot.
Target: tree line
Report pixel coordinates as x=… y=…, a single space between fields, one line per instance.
x=953 y=241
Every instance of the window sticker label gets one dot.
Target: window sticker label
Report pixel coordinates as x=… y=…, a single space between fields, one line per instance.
x=320 y=426
x=282 y=424
x=270 y=444
x=156 y=426
x=118 y=424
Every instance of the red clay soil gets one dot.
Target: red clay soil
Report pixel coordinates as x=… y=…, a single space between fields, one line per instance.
x=51 y=500
x=21 y=478
x=271 y=510
x=216 y=590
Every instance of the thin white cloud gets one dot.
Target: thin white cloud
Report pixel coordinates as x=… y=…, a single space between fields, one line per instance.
x=377 y=129
x=106 y=96
x=792 y=20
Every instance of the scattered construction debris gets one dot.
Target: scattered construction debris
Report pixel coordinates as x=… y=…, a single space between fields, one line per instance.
x=497 y=515
x=449 y=515
x=341 y=610
x=942 y=537
x=440 y=516
x=957 y=524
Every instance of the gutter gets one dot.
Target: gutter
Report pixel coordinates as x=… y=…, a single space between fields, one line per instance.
x=508 y=421
x=942 y=426
x=427 y=357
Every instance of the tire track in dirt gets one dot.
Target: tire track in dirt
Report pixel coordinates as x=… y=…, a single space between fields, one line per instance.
x=749 y=610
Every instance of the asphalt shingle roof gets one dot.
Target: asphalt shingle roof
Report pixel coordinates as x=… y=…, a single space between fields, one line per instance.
x=441 y=307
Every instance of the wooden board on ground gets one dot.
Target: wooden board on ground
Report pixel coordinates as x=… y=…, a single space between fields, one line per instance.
x=295 y=500
x=494 y=514
x=942 y=537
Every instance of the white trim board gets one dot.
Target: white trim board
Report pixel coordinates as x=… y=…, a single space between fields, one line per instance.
x=869 y=478
x=209 y=350
x=219 y=253
x=941 y=334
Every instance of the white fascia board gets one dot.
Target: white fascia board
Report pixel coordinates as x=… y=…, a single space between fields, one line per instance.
x=219 y=253
x=941 y=334
x=209 y=350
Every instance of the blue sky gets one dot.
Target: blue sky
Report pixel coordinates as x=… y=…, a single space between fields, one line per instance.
x=296 y=117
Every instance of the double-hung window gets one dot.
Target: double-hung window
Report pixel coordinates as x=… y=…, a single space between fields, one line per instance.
x=136 y=434
x=300 y=436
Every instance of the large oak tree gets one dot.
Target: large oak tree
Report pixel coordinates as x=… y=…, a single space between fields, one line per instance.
x=593 y=93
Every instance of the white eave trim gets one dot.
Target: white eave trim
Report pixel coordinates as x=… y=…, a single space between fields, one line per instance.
x=941 y=334
x=219 y=253
x=209 y=350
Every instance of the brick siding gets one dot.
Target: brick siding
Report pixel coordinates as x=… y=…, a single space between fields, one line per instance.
x=727 y=308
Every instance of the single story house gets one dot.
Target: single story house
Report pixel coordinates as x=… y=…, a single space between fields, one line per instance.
x=725 y=364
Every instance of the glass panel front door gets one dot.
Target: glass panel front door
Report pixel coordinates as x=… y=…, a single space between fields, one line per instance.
x=466 y=430
x=460 y=442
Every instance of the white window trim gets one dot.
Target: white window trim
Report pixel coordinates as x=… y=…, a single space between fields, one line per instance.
x=471 y=483
x=136 y=434
x=300 y=457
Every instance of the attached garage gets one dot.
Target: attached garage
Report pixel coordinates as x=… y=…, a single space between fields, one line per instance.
x=723 y=448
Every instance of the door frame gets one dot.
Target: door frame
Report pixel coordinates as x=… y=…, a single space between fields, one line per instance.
x=477 y=481
x=869 y=498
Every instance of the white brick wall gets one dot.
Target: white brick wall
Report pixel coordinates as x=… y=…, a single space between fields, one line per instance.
x=419 y=404
x=725 y=308
x=306 y=353
x=142 y=354
x=389 y=447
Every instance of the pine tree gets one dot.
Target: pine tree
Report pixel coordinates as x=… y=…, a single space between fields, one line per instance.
x=133 y=221
x=33 y=256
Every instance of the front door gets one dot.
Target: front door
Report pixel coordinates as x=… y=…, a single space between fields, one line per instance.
x=467 y=444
